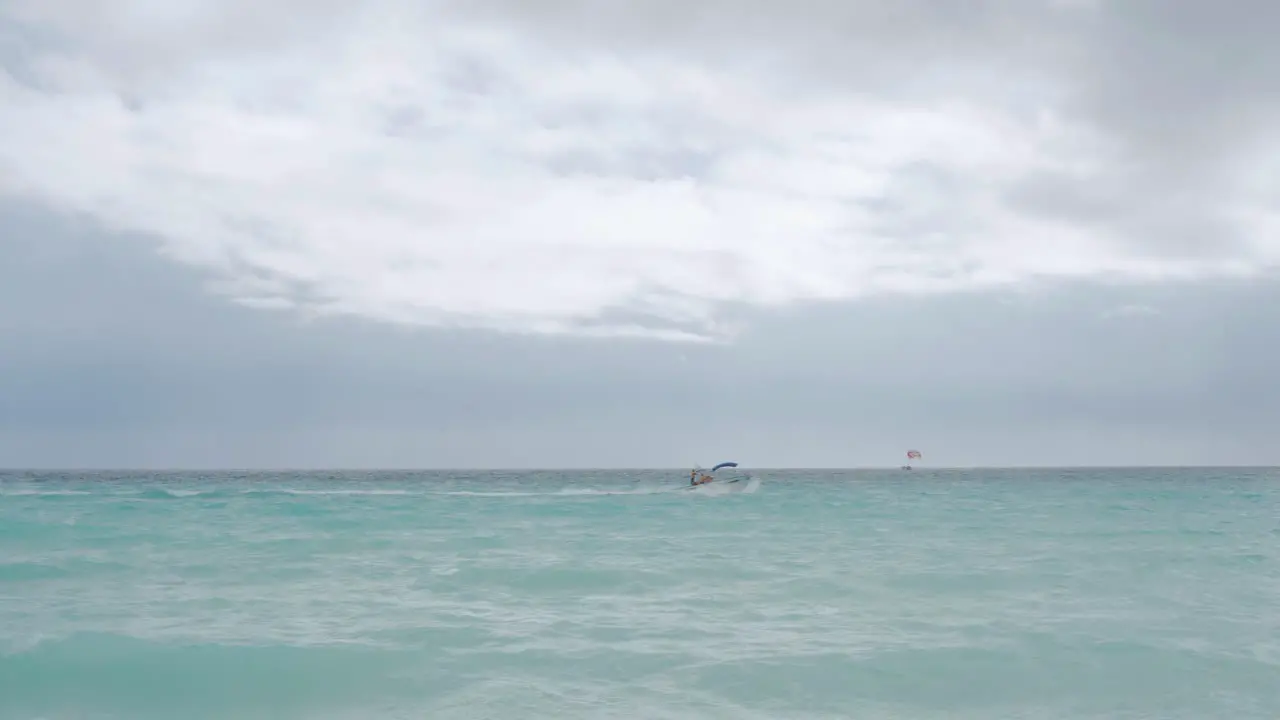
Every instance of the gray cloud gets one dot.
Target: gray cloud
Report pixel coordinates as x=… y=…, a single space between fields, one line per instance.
x=1180 y=92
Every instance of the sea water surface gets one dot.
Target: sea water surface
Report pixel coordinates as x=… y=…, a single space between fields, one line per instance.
x=854 y=594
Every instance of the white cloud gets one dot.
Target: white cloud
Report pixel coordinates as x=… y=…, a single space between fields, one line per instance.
x=413 y=168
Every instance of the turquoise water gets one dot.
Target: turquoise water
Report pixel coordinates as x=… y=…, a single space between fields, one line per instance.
x=930 y=594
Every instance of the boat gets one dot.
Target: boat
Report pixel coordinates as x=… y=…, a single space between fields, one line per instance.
x=697 y=478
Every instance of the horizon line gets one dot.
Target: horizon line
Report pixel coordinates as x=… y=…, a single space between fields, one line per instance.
x=802 y=468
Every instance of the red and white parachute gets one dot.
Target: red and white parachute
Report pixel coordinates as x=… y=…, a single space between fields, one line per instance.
x=913 y=454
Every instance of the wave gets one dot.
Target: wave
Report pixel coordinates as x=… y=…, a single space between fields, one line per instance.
x=163 y=493
x=15 y=492
x=298 y=491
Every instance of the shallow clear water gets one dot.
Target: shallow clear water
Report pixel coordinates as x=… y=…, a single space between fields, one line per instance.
x=948 y=594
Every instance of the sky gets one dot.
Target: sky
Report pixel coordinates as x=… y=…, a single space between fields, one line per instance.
x=430 y=234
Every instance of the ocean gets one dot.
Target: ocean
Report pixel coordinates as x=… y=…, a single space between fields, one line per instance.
x=1127 y=593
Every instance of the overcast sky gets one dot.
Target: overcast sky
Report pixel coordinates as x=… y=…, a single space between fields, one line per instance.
x=398 y=233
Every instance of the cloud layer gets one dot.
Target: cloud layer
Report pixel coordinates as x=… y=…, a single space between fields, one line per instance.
x=648 y=168
x=112 y=357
